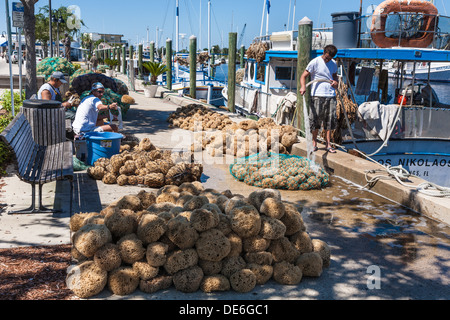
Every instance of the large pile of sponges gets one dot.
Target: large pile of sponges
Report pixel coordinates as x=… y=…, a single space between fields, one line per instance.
x=144 y=164
x=219 y=135
x=193 y=239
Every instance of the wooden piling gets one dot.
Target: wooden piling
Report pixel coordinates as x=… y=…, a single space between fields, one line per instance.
x=169 y=63
x=303 y=57
x=152 y=51
x=241 y=57
x=140 y=75
x=193 y=66
x=124 y=60
x=232 y=38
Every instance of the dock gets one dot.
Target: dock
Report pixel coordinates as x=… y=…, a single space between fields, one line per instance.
x=337 y=215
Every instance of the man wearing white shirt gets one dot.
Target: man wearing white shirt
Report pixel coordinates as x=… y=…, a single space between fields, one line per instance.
x=323 y=94
x=86 y=118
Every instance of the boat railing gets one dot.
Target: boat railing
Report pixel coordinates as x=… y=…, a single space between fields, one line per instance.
x=413 y=122
x=397 y=28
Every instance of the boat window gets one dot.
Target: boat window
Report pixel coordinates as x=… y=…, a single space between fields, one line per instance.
x=261 y=72
x=284 y=73
x=246 y=71
x=252 y=71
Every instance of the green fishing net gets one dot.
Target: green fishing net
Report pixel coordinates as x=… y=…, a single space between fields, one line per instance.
x=279 y=171
x=49 y=65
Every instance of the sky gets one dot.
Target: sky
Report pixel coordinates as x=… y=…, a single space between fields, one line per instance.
x=139 y=20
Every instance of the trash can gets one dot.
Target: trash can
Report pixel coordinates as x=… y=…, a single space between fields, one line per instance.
x=345 y=29
x=102 y=145
x=47 y=120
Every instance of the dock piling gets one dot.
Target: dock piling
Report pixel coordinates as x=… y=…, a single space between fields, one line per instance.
x=193 y=66
x=303 y=57
x=169 y=63
x=232 y=71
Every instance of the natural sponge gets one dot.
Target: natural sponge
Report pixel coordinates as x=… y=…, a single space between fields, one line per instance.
x=131 y=248
x=123 y=281
x=181 y=259
x=155 y=284
x=108 y=257
x=181 y=233
x=86 y=279
x=150 y=228
x=213 y=245
x=245 y=221
x=214 y=283
x=272 y=207
x=157 y=254
x=188 y=280
x=311 y=264
x=272 y=228
x=203 y=219
x=322 y=248
x=243 y=280
x=121 y=222
x=287 y=273
x=90 y=238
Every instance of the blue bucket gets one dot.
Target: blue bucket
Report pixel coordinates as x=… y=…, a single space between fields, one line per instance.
x=102 y=145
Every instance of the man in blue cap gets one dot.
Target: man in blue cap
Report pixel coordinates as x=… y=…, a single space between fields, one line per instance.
x=87 y=119
x=50 y=89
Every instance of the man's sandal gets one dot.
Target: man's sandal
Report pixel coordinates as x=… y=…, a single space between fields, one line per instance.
x=331 y=150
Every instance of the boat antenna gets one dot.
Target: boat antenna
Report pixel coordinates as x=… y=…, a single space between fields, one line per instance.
x=262 y=18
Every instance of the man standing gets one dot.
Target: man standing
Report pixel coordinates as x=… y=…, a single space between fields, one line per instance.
x=323 y=94
x=94 y=62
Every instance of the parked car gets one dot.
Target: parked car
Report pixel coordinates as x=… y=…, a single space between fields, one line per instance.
x=14 y=57
x=38 y=58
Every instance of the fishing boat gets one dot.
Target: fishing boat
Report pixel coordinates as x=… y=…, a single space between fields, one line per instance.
x=399 y=121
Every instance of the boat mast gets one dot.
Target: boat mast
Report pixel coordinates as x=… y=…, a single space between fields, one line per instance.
x=267 y=19
x=293 y=15
x=209 y=37
x=177 y=36
x=262 y=18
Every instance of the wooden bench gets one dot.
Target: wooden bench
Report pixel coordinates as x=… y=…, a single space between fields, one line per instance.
x=38 y=164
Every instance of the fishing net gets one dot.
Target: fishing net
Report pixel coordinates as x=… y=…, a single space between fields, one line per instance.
x=279 y=171
x=79 y=72
x=49 y=65
x=257 y=51
x=84 y=82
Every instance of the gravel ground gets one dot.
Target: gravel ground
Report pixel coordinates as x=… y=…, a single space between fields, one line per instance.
x=35 y=273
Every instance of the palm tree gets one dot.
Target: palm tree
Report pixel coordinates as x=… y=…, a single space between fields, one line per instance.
x=156 y=69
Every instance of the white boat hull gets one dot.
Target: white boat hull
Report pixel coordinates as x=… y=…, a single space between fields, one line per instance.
x=428 y=159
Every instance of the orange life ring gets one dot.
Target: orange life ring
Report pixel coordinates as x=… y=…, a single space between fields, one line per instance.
x=379 y=17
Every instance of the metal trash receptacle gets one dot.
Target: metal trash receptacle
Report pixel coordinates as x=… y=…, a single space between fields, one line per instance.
x=47 y=120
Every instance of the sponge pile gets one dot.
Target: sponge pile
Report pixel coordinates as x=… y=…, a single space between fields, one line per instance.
x=220 y=136
x=144 y=164
x=279 y=171
x=193 y=239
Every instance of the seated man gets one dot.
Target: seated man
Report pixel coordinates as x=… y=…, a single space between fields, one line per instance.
x=87 y=117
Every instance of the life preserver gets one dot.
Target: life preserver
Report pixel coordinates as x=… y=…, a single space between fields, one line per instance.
x=379 y=17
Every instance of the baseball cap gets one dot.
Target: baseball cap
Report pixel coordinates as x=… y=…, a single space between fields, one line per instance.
x=59 y=75
x=97 y=86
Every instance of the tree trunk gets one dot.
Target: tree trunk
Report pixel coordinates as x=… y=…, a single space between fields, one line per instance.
x=30 y=39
